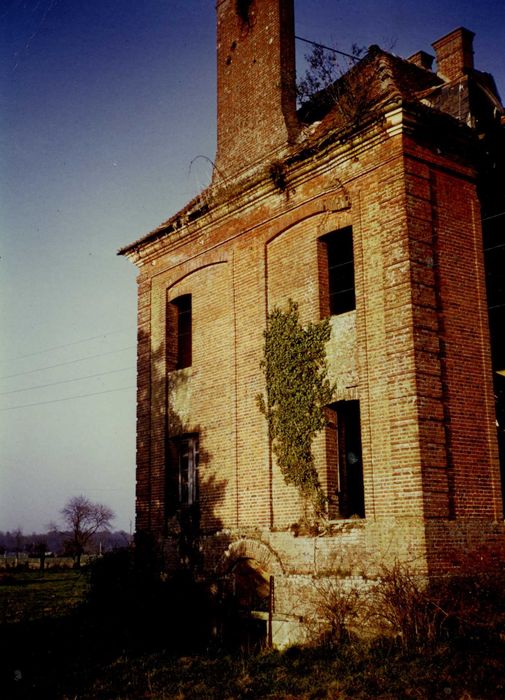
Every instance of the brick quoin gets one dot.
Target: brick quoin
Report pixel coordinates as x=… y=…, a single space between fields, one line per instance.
x=415 y=351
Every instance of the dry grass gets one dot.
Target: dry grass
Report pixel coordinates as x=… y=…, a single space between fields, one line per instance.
x=70 y=652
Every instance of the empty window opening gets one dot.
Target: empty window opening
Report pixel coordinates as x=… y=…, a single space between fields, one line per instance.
x=183 y=473
x=350 y=491
x=182 y=331
x=188 y=471
x=494 y=256
x=339 y=292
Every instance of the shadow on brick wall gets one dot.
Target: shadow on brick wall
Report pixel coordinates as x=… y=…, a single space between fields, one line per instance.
x=185 y=493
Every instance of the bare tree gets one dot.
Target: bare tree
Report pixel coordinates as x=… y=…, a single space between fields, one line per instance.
x=84 y=518
x=337 y=81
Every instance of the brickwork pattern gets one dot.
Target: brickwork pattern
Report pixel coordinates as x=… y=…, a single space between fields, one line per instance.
x=413 y=333
x=254 y=58
x=415 y=352
x=454 y=54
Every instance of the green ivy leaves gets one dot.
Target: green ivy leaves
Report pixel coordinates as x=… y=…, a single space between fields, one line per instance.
x=297 y=390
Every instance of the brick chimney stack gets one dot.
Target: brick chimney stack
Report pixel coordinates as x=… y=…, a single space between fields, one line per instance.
x=422 y=60
x=256 y=92
x=454 y=54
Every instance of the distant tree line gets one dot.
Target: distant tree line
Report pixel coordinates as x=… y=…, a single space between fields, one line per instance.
x=58 y=543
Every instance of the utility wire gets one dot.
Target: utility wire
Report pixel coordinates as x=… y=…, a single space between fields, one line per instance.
x=327 y=48
x=494 y=216
x=68 y=398
x=67 y=345
x=69 y=362
x=65 y=381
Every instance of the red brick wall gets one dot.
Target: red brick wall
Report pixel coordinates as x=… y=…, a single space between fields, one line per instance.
x=143 y=486
x=256 y=83
x=454 y=54
x=422 y=346
x=467 y=364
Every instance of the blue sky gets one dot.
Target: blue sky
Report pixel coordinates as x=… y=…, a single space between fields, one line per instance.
x=105 y=104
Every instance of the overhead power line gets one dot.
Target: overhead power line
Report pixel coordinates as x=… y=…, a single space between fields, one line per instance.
x=67 y=345
x=67 y=398
x=65 y=381
x=327 y=48
x=494 y=216
x=68 y=362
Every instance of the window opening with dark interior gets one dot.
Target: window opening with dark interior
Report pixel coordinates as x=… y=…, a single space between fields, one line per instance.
x=338 y=247
x=351 y=497
x=183 y=327
x=188 y=470
x=182 y=483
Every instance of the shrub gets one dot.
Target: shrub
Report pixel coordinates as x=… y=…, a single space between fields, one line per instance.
x=402 y=605
x=421 y=613
x=475 y=604
x=130 y=591
x=338 y=607
x=125 y=593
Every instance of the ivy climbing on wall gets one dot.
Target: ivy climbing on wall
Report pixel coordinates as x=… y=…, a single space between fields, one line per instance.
x=297 y=390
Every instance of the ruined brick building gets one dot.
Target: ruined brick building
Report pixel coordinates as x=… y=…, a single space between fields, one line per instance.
x=365 y=206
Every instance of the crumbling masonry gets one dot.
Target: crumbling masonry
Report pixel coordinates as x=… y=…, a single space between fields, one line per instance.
x=371 y=216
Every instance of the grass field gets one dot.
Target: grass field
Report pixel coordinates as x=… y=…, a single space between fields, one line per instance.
x=54 y=645
x=30 y=595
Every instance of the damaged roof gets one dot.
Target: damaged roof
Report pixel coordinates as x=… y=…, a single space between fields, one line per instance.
x=359 y=95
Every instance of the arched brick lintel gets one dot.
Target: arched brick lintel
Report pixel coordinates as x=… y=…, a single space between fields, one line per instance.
x=252 y=549
x=324 y=206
